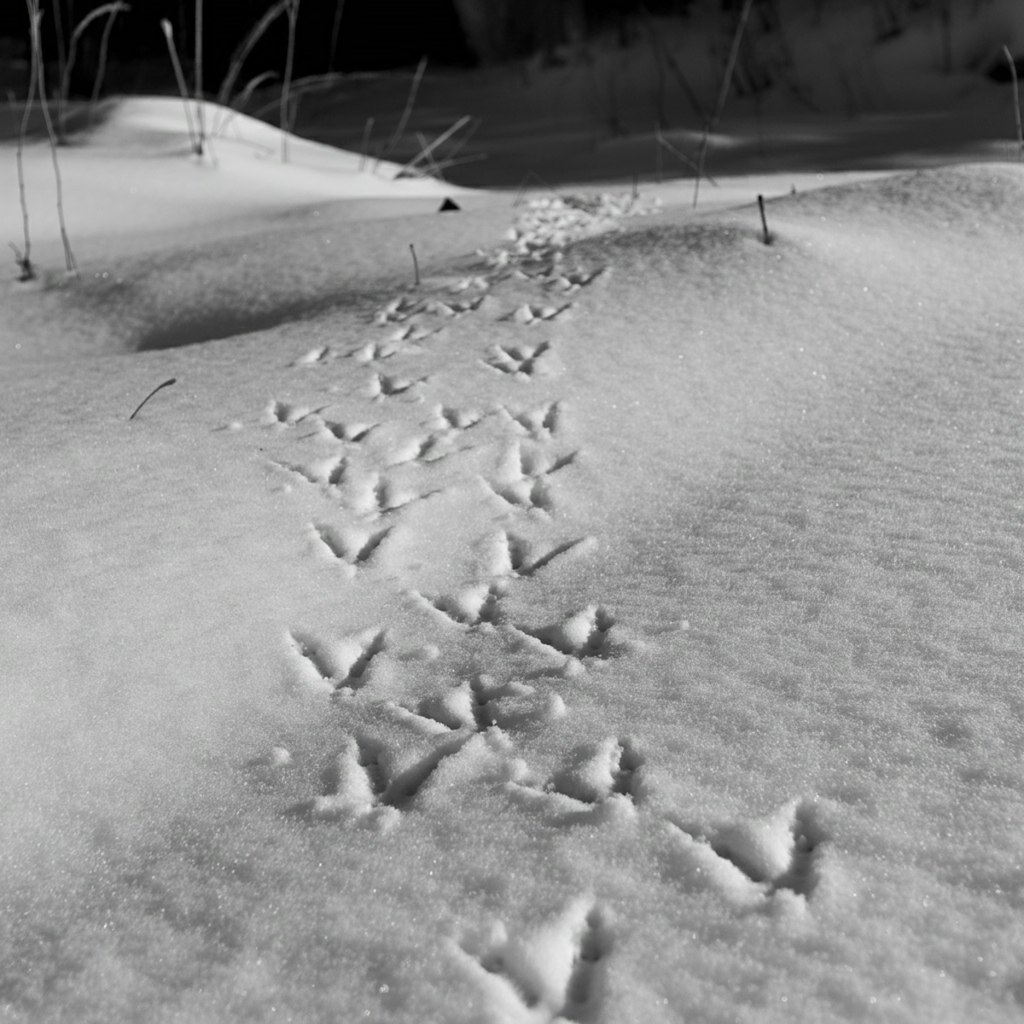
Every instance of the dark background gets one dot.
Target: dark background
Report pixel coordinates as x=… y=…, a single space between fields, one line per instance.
x=374 y=34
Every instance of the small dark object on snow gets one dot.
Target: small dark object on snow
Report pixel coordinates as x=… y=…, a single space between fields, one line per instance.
x=766 y=237
x=166 y=383
x=415 y=264
x=27 y=271
x=448 y=206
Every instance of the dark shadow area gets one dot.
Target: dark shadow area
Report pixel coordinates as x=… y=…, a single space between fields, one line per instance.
x=224 y=323
x=354 y=35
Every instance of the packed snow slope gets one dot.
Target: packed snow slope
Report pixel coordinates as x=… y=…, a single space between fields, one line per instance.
x=617 y=630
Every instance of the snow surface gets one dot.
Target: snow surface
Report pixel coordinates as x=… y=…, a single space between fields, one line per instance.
x=622 y=625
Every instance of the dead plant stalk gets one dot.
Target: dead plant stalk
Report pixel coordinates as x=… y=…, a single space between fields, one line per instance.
x=110 y=11
x=35 y=19
x=1016 y=102
x=194 y=139
x=286 y=119
x=198 y=72
x=240 y=55
x=427 y=149
x=24 y=257
x=723 y=95
x=403 y=121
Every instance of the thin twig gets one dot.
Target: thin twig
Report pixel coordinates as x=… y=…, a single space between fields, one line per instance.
x=662 y=141
x=723 y=95
x=364 y=147
x=245 y=48
x=25 y=258
x=1016 y=102
x=58 y=31
x=407 y=112
x=286 y=118
x=286 y=115
x=684 y=83
x=415 y=264
x=764 y=221
x=198 y=77
x=664 y=54
x=431 y=168
x=66 y=64
x=427 y=149
x=37 y=45
x=101 y=65
x=339 y=10
x=159 y=387
x=463 y=140
x=298 y=88
x=165 y=25
x=472 y=158
x=410 y=102
x=110 y=9
x=441 y=165
x=221 y=123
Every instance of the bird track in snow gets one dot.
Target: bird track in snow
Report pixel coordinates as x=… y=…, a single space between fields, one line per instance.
x=425 y=449
x=452 y=419
x=541 y=423
x=383 y=386
x=528 y=494
x=328 y=473
x=286 y=414
x=513 y=555
x=351 y=545
x=351 y=433
x=361 y=776
x=480 y=704
x=517 y=360
x=528 y=314
x=755 y=858
x=553 y=975
x=336 y=666
x=593 y=777
x=471 y=606
x=522 y=478
x=569 y=282
x=375 y=352
x=403 y=309
x=359 y=783
x=373 y=496
x=584 y=634
x=314 y=357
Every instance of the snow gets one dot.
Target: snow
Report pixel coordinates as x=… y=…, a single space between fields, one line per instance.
x=654 y=656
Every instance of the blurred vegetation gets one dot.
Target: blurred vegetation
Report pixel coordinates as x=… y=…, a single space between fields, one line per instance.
x=354 y=35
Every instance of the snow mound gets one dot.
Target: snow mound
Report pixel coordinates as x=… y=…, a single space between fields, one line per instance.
x=658 y=661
